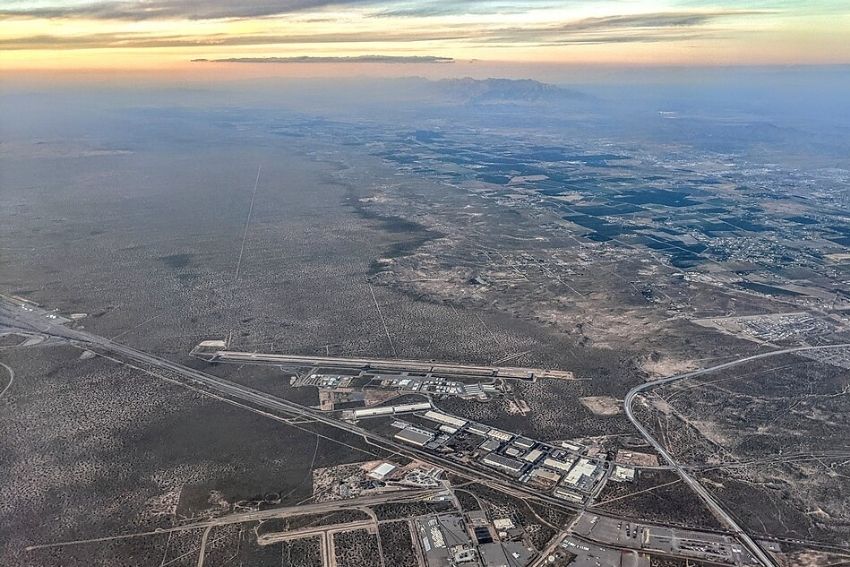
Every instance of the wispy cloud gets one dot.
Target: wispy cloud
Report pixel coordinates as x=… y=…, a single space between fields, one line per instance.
x=352 y=59
x=146 y=40
x=650 y=27
x=136 y=10
x=431 y=8
x=176 y=31
x=655 y=20
x=172 y=9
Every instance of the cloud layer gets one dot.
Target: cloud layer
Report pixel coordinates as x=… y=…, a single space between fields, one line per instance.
x=496 y=30
x=173 y=9
x=649 y=27
x=353 y=59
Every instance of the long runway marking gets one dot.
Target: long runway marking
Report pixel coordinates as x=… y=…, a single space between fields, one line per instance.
x=247 y=222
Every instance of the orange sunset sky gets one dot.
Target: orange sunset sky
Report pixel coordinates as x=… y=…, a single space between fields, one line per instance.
x=406 y=37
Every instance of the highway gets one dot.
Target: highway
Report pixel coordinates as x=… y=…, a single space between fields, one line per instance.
x=11 y=315
x=31 y=321
x=363 y=502
x=706 y=497
x=314 y=531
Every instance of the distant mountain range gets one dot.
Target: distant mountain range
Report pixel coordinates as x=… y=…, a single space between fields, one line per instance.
x=381 y=97
x=488 y=91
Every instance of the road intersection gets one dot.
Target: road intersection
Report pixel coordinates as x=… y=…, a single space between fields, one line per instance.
x=680 y=469
x=32 y=321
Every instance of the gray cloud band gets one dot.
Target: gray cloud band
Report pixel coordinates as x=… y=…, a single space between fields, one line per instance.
x=653 y=27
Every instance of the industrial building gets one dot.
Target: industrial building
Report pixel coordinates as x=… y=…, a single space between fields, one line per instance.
x=569 y=495
x=574 y=447
x=478 y=429
x=551 y=469
x=449 y=420
x=513 y=451
x=532 y=456
x=623 y=474
x=500 y=435
x=512 y=466
x=414 y=436
x=372 y=412
x=444 y=540
x=582 y=476
x=544 y=477
x=412 y=407
x=381 y=471
x=558 y=464
x=504 y=554
x=390 y=410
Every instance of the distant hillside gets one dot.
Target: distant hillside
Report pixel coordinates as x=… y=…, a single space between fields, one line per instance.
x=414 y=94
x=485 y=91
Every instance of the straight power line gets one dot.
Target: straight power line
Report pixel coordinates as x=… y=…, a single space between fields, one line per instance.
x=247 y=223
x=381 y=316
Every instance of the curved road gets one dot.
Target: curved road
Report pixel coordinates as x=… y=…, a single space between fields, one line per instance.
x=28 y=320
x=706 y=497
x=11 y=378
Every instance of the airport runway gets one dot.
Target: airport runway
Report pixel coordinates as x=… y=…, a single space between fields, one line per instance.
x=11 y=315
x=390 y=365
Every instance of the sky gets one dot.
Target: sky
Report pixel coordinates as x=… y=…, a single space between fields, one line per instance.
x=406 y=37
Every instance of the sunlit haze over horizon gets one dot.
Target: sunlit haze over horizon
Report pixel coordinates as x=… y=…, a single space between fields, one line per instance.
x=401 y=38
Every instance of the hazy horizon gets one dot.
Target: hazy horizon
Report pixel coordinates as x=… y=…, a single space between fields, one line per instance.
x=333 y=36
x=424 y=283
